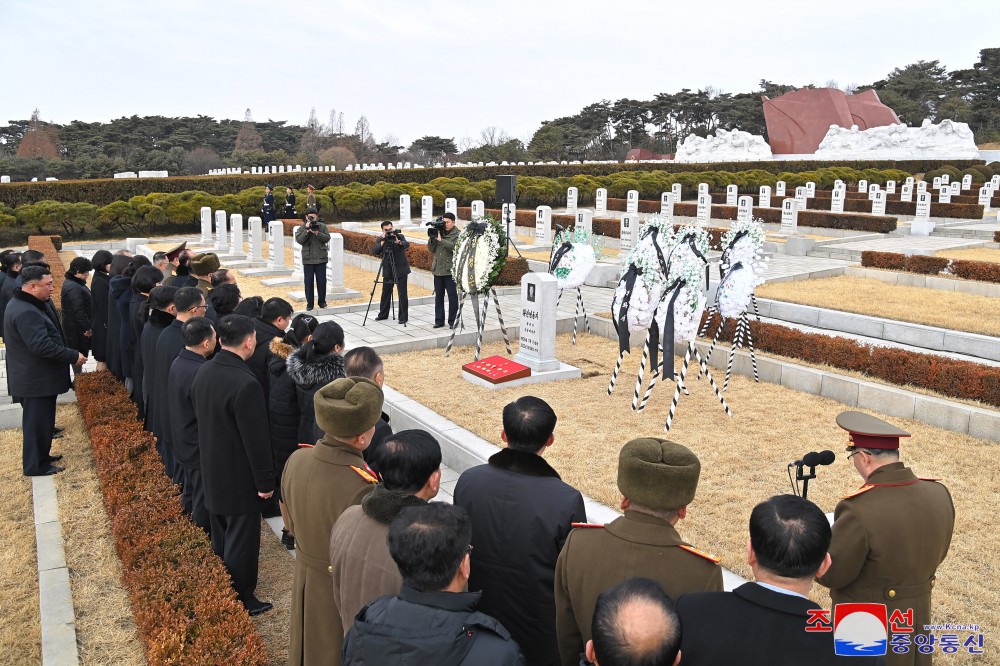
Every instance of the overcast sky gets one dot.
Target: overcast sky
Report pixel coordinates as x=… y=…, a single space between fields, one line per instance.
x=432 y=67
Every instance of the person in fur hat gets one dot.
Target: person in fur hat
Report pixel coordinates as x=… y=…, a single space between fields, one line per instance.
x=315 y=364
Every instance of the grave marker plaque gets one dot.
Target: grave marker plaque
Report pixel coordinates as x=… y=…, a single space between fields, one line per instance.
x=923 y=205
x=744 y=211
x=764 y=198
x=667 y=205
x=451 y=206
x=837 y=200
x=256 y=233
x=572 y=194
x=478 y=210
x=220 y=231
x=632 y=201
x=732 y=194
x=585 y=220
x=779 y=188
x=206 y=224
x=906 y=192
x=537 y=336
x=811 y=190
x=862 y=185
x=426 y=209
x=543 y=225
x=601 y=200
x=890 y=187
x=985 y=197
x=276 y=244
x=878 y=203
x=629 y=227
x=676 y=189
x=704 y=211
x=789 y=216
x=404 y=209
x=944 y=195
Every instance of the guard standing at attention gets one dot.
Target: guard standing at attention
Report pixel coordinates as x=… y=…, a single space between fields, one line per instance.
x=267 y=210
x=891 y=534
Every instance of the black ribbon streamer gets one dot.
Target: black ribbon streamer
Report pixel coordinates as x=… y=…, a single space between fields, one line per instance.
x=725 y=253
x=668 y=330
x=621 y=322
x=560 y=253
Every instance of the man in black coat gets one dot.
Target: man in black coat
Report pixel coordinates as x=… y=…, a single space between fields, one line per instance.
x=235 y=452
x=275 y=316
x=38 y=363
x=433 y=619
x=199 y=344
x=764 y=622
x=391 y=246
x=188 y=302
x=521 y=514
x=161 y=299
x=635 y=622
x=76 y=306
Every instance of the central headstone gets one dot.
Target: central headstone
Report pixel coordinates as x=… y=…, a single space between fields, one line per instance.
x=601 y=200
x=632 y=201
x=572 y=194
x=543 y=225
x=206 y=224
x=878 y=203
x=667 y=205
x=404 y=209
x=764 y=197
x=789 y=216
x=426 y=209
x=837 y=200
x=585 y=220
x=704 y=210
x=627 y=231
x=537 y=336
x=921 y=224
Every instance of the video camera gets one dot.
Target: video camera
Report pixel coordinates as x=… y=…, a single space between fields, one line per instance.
x=436 y=227
x=313 y=224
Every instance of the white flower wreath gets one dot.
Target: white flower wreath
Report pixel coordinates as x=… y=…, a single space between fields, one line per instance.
x=689 y=268
x=737 y=286
x=480 y=256
x=575 y=265
x=647 y=292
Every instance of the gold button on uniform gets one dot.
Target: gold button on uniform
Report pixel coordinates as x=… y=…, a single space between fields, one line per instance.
x=892 y=594
x=330 y=570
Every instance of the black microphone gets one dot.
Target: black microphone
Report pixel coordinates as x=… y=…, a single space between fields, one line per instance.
x=812 y=459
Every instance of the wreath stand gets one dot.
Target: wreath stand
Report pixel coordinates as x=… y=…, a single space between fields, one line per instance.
x=743 y=337
x=579 y=307
x=481 y=324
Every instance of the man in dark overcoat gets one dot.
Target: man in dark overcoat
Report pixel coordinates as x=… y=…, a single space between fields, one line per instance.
x=38 y=363
x=235 y=451
x=391 y=247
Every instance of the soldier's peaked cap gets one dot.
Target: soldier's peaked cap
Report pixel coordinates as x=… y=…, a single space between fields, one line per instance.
x=870 y=432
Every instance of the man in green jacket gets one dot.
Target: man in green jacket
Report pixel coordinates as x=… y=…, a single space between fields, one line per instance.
x=442 y=246
x=315 y=242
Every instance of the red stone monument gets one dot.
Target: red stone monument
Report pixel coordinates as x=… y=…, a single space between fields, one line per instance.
x=798 y=120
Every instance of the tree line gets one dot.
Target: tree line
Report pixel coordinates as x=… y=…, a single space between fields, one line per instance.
x=604 y=130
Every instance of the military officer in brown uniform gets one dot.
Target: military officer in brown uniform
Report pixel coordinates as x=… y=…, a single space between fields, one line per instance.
x=202 y=266
x=318 y=484
x=890 y=535
x=657 y=479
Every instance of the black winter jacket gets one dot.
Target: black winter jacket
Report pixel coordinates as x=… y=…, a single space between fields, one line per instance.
x=77 y=311
x=283 y=406
x=521 y=514
x=37 y=357
x=99 y=317
x=6 y=293
x=309 y=377
x=168 y=346
x=145 y=358
x=117 y=286
x=440 y=628
x=183 y=421
x=262 y=354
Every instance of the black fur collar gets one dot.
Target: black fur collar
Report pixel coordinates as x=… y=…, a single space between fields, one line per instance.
x=522 y=462
x=319 y=370
x=384 y=505
x=28 y=298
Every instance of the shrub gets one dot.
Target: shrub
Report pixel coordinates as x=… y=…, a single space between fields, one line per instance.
x=984 y=271
x=886 y=260
x=185 y=608
x=917 y=263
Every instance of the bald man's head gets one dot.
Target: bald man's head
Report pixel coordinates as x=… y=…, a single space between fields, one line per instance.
x=635 y=624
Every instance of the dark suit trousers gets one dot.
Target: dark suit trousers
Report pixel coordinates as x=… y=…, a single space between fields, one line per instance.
x=236 y=539
x=444 y=283
x=166 y=452
x=315 y=272
x=38 y=422
x=404 y=302
x=194 y=498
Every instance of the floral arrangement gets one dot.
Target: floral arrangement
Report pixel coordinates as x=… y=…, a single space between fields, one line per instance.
x=571 y=267
x=655 y=240
x=480 y=254
x=742 y=267
x=687 y=263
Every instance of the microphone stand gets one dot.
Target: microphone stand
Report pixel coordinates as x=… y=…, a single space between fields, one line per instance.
x=800 y=475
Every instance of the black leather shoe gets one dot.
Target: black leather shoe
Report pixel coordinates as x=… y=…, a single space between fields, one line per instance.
x=438 y=325
x=287 y=540
x=53 y=459
x=57 y=435
x=257 y=607
x=53 y=469
x=58 y=431
x=381 y=318
x=322 y=306
x=403 y=322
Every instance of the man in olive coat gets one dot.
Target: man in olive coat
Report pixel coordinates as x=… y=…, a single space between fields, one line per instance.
x=235 y=451
x=890 y=535
x=657 y=479
x=38 y=363
x=442 y=246
x=318 y=485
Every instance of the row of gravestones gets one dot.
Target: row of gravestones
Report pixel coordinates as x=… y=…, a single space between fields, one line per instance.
x=228 y=242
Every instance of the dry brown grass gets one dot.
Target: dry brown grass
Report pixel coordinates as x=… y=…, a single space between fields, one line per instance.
x=20 y=632
x=867 y=296
x=972 y=254
x=275 y=585
x=743 y=458
x=105 y=627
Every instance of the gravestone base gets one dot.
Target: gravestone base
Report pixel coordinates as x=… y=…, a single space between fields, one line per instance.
x=921 y=227
x=332 y=294
x=282 y=281
x=351 y=226
x=799 y=246
x=226 y=258
x=243 y=264
x=564 y=371
x=263 y=272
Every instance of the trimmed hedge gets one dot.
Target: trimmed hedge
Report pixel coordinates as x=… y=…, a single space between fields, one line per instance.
x=956 y=379
x=983 y=271
x=185 y=607
x=996 y=236
x=49 y=246
x=420 y=257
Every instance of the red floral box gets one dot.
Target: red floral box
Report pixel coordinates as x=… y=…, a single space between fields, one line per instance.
x=497 y=369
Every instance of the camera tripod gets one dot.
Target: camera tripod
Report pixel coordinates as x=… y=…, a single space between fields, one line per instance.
x=379 y=280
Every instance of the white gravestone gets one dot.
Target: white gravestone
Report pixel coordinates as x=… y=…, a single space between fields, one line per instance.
x=297 y=270
x=838 y=183
x=632 y=201
x=995 y=182
x=220 y=230
x=667 y=205
x=936 y=184
x=627 y=231
x=704 y=211
x=601 y=200
x=923 y=205
x=451 y=206
x=906 y=192
x=677 y=189
x=890 y=187
x=910 y=180
x=275 y=244
x=800 y=197
x=702 y=188
x=764 y=198
x=732 y=194
x=206 y=224
x=236 y=241
x=537 y=336
x=543 y=225
x=837 y=200
x=404 y=209
x=509 y=212
x=426 y=209
x=585 y=220
x=789 y=216
x=985 y=197
x=945 y=179
x=872 y=189
x=921 y=225
x=572 y=195
x=811 y=190
x=779 y=188
x=944 y=195
x=4 y=179
x=878 y=203
x=478 y=210
x=922 y=186
x=744 y=211
x=956 y=189
x=862 y=185
x=335 y=265
x=256 y=233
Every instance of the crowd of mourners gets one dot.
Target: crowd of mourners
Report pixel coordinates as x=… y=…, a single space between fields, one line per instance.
x=257 y=411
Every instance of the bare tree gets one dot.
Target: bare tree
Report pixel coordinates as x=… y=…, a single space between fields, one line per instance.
x=493 y=136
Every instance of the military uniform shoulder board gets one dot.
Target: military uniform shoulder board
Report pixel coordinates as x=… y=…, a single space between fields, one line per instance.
x=365 y=473
x=592 y=525
x=699 y=553
x=863 y=489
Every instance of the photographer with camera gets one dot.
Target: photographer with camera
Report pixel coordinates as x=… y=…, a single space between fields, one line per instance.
x=314 y=239
x=442 y=236
x=391 y=246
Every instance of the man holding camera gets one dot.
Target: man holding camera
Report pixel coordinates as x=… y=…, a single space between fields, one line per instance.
x=314 y=239
x=391 y=246
x=441 y=242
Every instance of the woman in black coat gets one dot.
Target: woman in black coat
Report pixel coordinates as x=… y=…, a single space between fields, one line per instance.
x=11 y=265
x=77 y=309
x=99 y=300
x=283 y=405
x=143 y=282
x=313 y=366
x=118 y=284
